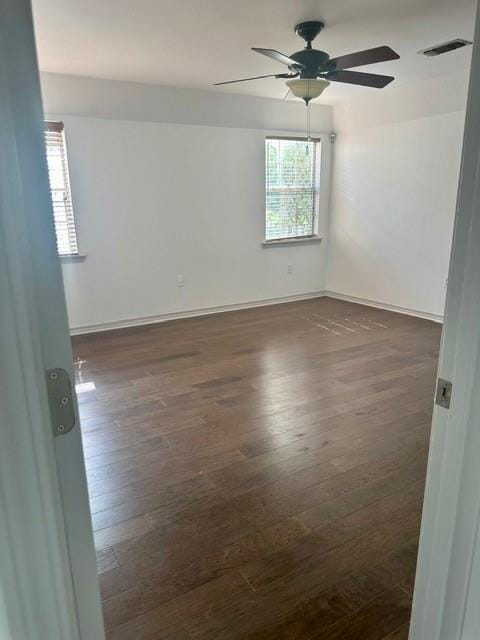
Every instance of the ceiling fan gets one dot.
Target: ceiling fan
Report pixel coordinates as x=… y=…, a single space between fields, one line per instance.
x=311 y=70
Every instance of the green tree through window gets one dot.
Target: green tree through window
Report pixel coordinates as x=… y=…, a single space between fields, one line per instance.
x=291 y=188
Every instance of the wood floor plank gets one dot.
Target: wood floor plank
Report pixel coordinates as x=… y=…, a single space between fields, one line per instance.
x=172 y=565
x=399 y=634
x=377 y=619
x=258 y=475
x=106 y=560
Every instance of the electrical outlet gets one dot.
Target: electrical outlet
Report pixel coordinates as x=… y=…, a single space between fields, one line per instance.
x=289 y=268
x=445 y=283
x=180 y=281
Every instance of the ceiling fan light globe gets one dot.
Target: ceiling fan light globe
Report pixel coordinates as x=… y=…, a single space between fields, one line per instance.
x=307 y=89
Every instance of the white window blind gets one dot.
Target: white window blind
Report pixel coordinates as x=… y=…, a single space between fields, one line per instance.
x=60 y=189
x=292 y=182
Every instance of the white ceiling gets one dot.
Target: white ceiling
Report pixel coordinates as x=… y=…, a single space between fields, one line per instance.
x=194 y=43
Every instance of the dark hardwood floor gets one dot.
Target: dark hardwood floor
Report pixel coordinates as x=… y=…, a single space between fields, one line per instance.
x=258 y=475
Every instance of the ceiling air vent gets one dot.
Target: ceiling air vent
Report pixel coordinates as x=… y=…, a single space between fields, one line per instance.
x=444 y=47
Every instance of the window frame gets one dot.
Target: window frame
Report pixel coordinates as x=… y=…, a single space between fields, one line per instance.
x=58 y=127
x=314 y=236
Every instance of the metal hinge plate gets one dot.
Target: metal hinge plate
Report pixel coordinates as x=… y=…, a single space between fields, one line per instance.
x=61 y=401
x=444 y=393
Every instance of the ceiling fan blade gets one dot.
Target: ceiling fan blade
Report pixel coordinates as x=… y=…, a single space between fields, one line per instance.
x=364 y=79
x=271 y=75
x=369 y=56
x=279 y=57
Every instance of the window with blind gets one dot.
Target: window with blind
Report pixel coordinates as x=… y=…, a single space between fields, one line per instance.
x=60 y=189
x=292 y=185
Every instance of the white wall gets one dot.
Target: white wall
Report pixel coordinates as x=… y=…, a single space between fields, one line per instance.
x=396 y=168
x=155 y=197
x=130 y=147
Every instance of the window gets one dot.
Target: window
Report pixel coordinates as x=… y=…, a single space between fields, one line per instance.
x=292 y=184
x=60 y=189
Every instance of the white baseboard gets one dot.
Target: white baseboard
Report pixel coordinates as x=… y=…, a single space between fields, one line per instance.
x=388 y=307
x=164 y=317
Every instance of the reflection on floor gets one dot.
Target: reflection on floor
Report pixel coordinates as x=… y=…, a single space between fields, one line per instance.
x=259 y=474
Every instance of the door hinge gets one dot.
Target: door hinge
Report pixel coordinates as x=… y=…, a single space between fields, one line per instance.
x=443 y=394
x=60 y=399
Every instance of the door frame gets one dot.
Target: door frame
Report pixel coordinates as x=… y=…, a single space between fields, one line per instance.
x=449 y=540
x=48 y=582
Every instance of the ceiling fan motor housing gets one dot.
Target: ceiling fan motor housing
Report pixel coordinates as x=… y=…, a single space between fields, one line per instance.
x=313 y=62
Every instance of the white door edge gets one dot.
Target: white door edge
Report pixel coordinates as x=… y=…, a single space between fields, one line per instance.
x=48 y=579
x=36 y=581
x=447 y=540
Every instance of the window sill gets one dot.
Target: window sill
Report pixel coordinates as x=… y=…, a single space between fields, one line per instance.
x=283 y=241
x=77 y=257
